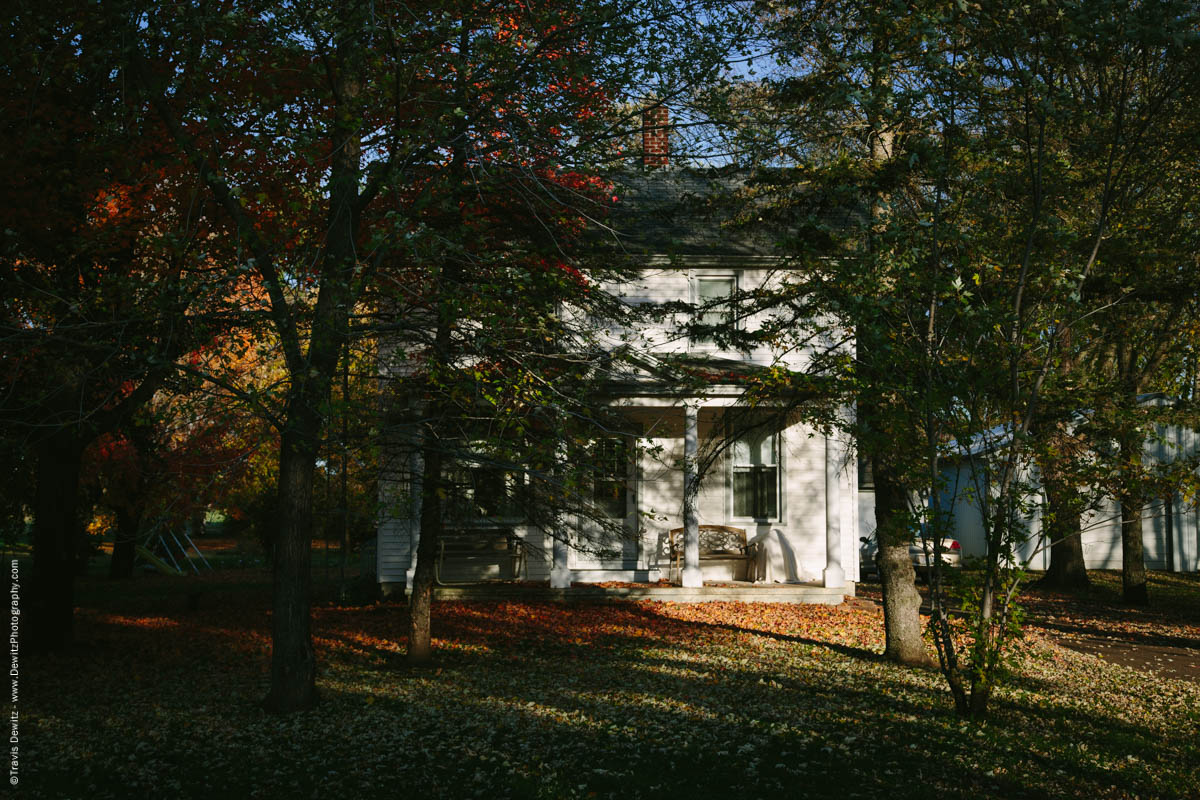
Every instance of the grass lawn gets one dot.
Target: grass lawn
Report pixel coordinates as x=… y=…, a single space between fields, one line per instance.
x=623 y=700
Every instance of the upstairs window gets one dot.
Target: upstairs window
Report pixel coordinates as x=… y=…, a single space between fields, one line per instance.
x=714 y=303
x=756 y=476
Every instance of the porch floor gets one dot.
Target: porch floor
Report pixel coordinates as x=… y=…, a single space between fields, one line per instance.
x=614 y=591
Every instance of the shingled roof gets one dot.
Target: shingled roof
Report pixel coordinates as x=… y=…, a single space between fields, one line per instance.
x=710 y=212
x=676 y=211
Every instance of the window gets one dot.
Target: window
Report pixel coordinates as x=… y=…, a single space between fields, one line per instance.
x=713 y=299
x=604 y=535
x=477 y=492
x=756 y=475
x=610 y=485
x=866 y=476
x=496 y=491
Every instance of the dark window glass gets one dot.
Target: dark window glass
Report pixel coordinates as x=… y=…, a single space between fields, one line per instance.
x=483 y=492
x=497 y=492
x=866 y=478
x=756 y=476
x=610 y=486
x=713 y=297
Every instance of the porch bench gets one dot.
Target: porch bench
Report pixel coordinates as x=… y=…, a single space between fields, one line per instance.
x=480 y=548
x=717 y=543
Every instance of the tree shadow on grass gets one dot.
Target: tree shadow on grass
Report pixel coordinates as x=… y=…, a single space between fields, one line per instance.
x=548 y=701
x=1098 y=630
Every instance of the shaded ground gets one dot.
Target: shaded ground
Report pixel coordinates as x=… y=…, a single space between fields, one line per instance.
x=1171 y=662
x=528 y=699
x=1162 y=638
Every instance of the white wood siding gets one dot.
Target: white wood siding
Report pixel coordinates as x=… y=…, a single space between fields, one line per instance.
x=1101 y=527
x=793 y=544
x=659 y=285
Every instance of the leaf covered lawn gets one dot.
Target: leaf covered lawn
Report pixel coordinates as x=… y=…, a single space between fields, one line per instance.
x=532 y=699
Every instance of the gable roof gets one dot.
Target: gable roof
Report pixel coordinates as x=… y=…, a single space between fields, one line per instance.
x=999 y=437
x=680 y=211
x=683 y=212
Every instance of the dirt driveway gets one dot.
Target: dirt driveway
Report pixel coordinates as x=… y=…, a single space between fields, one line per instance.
x=1162 y=638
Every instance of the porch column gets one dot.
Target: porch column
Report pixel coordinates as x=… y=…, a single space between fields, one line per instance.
x=691 y=524
x=560 y=573
x=834 y=575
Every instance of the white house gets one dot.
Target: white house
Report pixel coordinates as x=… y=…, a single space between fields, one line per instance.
x=1170 y=525
x=791 y=489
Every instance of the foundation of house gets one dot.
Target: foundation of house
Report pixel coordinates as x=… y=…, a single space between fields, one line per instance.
x=613 y=591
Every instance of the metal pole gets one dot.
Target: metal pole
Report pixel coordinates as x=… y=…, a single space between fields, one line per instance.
x=167 y=549
x=183 y=552
x=197 y=549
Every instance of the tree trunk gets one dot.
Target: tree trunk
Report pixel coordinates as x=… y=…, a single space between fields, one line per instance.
x=1067 y=571
x=55 y=542
x=129 y=520
x=420 y=648
x=981 y=693
x=293 y=662
x=1133 y=562
x=901 y=601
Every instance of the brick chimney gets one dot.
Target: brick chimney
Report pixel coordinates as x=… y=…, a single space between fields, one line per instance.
x=655 y=149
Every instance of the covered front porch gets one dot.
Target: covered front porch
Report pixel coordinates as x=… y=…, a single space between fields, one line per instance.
x=771 y=517
x=720 y=497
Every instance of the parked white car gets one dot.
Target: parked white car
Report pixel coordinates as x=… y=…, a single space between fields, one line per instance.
x=921 y=554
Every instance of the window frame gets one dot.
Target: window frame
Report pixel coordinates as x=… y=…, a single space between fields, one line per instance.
x=695 y=276
x=612 y=452
x=630 y=447
x=734 y=468
x=462 y=477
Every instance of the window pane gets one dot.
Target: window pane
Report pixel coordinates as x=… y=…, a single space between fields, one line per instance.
x=756 y=492
x=763 y=450
x=609 y=498
x=755 y=449
x=743 y=493
x=489 y=491
x=741 y=452
x=866 y=477
x=460 y=494
x=714 y=290
x=496 y=492
x=709 y=289
x=768 y=491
